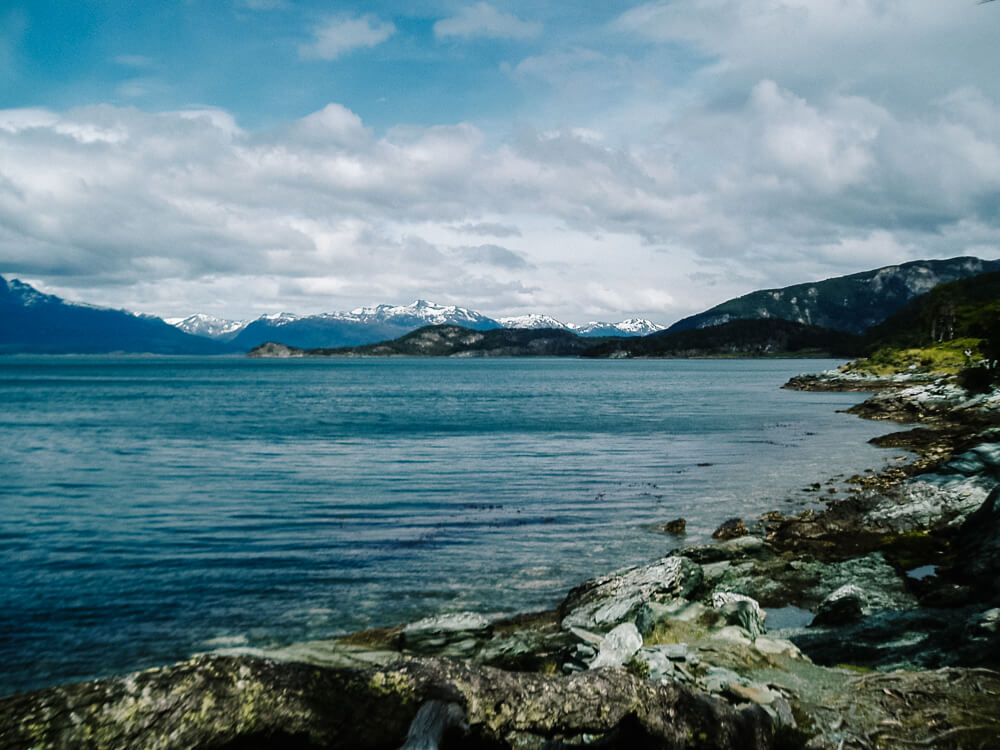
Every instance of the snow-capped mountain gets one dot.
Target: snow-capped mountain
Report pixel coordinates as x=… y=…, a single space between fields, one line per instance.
x=532 y=321
x=363 y=325
x=369 y=325
x=200 y=324
x=630 y=327
x=427 y=313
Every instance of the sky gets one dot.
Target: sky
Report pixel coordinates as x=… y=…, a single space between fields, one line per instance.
x=588 y=161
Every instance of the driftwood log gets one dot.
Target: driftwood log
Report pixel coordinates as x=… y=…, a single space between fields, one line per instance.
x=242 y=702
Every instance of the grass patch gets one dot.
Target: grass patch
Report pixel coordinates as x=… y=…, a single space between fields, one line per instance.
x=946 y=358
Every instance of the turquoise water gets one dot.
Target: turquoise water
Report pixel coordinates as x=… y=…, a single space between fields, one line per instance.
x=152 y=508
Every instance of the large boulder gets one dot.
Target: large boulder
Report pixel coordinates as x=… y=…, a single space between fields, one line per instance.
x=457 y=635
x=602 y=603
x=741 y=611
x=977 y=546
x=847 y=604
x=618 y=646
x=242 y=702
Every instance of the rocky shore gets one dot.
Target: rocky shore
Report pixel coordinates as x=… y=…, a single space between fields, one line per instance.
x=872 y=624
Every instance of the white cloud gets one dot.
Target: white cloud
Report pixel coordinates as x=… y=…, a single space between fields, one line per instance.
x=901 y=51
x=341 y=35
x=158 y=211
x=483 y=20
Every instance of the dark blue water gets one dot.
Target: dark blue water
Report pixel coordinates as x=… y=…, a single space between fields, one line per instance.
x=151 y=508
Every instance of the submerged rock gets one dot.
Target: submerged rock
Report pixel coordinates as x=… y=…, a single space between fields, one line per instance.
x=730 y=529
x=677 y=527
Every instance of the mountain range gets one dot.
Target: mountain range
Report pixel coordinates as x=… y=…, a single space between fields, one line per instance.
x=369 y=325
x=31 y=321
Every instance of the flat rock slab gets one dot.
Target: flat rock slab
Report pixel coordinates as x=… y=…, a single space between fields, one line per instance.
x=214 y=702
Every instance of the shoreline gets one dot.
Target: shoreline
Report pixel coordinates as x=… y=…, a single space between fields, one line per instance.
x=694 y=622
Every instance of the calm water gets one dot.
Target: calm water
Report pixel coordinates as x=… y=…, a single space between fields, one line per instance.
x=151 y=508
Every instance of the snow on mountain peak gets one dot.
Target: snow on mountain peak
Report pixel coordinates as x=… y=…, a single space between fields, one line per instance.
x=421 y=309
x=201 y=324
x=532 y=320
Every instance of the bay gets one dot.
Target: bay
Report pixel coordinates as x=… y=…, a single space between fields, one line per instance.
x=155 y=507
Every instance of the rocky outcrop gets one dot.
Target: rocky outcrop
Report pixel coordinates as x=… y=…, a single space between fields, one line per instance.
x=229 y=702
x=602 y=603
x=977 y=547
x=730 y=529
x=272 y=349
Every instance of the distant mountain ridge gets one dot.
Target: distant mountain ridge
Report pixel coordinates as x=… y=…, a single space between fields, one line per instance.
x=851 y=303
x=31 y=321
x=34 y=322
x=369 y=325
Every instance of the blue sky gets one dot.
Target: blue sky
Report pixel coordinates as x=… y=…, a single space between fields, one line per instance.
x=589 y=161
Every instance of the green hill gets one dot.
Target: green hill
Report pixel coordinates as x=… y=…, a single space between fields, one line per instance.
x=947 y=329
x=969 y=308
x=738 y=338
x=851 y=303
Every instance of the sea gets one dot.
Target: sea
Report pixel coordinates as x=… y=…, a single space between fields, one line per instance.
x=152 y=508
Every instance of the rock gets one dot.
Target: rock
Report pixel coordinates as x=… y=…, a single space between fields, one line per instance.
x=730 y=529
x=783 y=711
x=740 y=610
x=732 y=634
x=273 y=349
x=716 y=679
x=215 y=702
x=677 y=527
x=883 y=586
x=659 y=664
x=618 y=647
x=776 y=647
x=847 y=604
x=738 y=549
x=930 y=501
x=602 y=603
x=752 y=692
x=984 y=626
x=652 y=614
x=977 y=547
x=432 y=722
x=455 y=635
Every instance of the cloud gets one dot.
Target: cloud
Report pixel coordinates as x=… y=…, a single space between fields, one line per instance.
x=493 y=255
x=127 y=208
x=342 y=35
x=489 y=229
x=900 y=52
x=483 y=20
